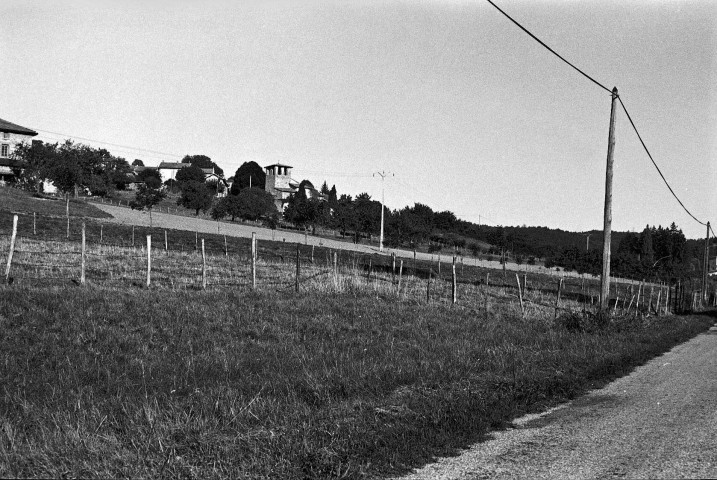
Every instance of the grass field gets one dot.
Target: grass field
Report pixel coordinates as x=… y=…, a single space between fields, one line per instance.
x=130 y=382
x=347 y=378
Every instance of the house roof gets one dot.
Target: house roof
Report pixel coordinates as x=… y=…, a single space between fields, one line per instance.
x=10 y=127
x=279 y=165
x=173 y=165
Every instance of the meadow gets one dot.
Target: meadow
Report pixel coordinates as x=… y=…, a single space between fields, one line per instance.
x=350 y=377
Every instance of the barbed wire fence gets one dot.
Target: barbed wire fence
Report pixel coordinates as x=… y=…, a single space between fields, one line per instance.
x=53 y=250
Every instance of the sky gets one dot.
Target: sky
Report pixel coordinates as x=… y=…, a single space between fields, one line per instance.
x=463 y=110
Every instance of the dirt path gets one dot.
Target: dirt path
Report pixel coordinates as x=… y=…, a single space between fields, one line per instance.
x=658 y=422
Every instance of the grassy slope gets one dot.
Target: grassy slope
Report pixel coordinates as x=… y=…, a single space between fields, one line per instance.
x=197 y=384
x=18 y=201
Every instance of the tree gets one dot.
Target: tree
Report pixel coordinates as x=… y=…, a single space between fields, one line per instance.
x=34 y=160
x=172 y=185
x=189 y=174
x=367 y=214
x=150 y=177
x=647 y=253
x=195 y=195
x=249 y=173
x=147 y=197
x=79 y=167
x=301 y=210
x=202 y=161
x=137 y=163
x=119 y=172
x=249 y=204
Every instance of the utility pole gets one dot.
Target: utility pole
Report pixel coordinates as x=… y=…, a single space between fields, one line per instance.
x=587 y=242
x=607 y=217
x=383 y=176
x=706 y=262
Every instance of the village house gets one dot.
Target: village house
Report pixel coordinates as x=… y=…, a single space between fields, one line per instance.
x=11 y=135
x=168 y=171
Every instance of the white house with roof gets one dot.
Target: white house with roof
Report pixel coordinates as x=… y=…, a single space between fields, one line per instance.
x=11 y=135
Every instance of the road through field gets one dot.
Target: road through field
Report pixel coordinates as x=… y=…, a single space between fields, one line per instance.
x=658 y=422
x=127 y=216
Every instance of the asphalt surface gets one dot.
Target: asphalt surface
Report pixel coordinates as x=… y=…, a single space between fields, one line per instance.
x=658 y=422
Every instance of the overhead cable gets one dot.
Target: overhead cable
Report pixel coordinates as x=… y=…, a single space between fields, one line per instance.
x=655 y=164
x=550 y=49
x=108 y=143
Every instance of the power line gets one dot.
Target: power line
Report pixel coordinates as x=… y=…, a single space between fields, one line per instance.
x=608 y=90
x=115 y=150
x=108 y=143
x=655 y=164
x=551 y=50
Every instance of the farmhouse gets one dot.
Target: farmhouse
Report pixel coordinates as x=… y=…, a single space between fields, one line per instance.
x=168 y=170
x=10 y=136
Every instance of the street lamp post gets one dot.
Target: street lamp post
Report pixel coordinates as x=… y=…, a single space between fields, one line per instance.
x=383 y=175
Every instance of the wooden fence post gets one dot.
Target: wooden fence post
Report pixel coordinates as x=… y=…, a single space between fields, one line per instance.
x=253 y=260
x=502 y=254
x=101 y=232
x=68 y=228
x=617 y=297
x=312 y=254
x=393 y=268
x=82 y=258
x=485 y=290
x=166 y=247
x=336 y=270
x=400 y=276
x=520 y=295
x=34 y=230
x=204 y=268
x=132 y=235
x=298 y=267
x=226 y=252
x=149 y=260
x=454 y=288
x=12 y=248
x=196 y=240
x=557 y=298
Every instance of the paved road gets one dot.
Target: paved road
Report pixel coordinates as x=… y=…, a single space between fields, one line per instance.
x=658 y=422
x=128 y=216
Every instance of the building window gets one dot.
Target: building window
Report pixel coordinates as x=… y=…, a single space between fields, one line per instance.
x=5 y=150
x=5 y=135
